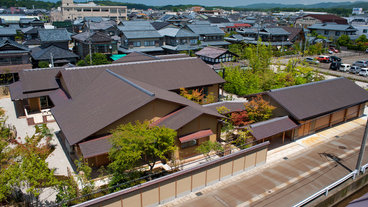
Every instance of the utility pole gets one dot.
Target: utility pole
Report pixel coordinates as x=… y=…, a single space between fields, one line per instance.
x=362 y=148
x=89 y=43
x=52 y=60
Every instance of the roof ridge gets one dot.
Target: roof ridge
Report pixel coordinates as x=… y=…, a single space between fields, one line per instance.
x=116 y=64
x=306 y=84
x=131 y=83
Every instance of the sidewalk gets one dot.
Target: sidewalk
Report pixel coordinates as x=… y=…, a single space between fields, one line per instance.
x=303 y=160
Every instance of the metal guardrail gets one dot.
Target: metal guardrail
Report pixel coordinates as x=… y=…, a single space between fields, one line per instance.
x=326 y=189
x=363 y=168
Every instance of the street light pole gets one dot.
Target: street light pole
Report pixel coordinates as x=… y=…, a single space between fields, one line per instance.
x=362 y=148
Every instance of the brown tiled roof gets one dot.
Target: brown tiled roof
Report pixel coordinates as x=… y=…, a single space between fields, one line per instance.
x=108 y=98
x=134 y=57
x=38 y=79
x=328 y=18
x=271 y=127
x=16 y=92
x=196 y=135
x=95 y=147
x=307 y=101
x=179 y=118
x=293 y=32
x=211 y=52
x=233 y=106
x=14 y=68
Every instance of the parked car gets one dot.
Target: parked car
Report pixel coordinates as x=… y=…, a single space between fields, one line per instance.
x=323 y=59
x=311 y=60
x=335 y=66
x=361 y=63
x=345 y=67
x=330 y=52
x=335 y=59
x=334 y=50
x=363 y=72
x=354 y=69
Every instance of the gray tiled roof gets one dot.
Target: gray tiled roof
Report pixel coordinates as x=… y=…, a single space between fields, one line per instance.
x=204 y=29
x=57 y=53
x=7 y=32
x=141 y=34
x=136 y=26
x=54 y=35
x=21 y=48
x=101 y=25
x=215 y=43
x=138 y=49
x=181 y=47
x=334 y=27
x=176 y=32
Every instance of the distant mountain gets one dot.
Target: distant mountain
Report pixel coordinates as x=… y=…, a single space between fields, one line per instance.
x=326 y=5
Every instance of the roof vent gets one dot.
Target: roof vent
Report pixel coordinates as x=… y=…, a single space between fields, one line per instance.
x=131 y=83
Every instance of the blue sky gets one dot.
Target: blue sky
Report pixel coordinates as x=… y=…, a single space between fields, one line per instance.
x=222 y=2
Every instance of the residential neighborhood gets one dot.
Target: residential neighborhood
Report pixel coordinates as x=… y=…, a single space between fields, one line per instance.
x=104 y=103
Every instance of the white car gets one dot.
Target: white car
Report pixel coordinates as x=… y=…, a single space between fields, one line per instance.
x=345 y=67
x=363 y=72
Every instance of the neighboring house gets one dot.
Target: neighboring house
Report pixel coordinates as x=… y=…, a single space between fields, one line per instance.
x=209 y=35
x=54 y=55
x=140 y=56
x=140 y=36
x=31 y=22
x=161 y=25
x=32 y=43
x=295 y=34
x=274 y=36
x=30 y=33
x=235 y=26
x=108 y=27
x=215 y=55
x=13 y=58
x=98 y=42
x=72 y=11
x=311 y=19
x=334 y=31
x=57 y=37
x=88 y=102
x=361 y=30
x=179 y=39
x=7 y=33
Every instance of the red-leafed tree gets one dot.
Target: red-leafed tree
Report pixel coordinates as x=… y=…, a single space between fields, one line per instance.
x=240 y=118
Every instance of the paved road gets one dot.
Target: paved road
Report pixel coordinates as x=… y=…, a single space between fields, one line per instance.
x=291 y=180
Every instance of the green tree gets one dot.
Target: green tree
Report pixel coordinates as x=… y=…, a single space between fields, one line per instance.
x=207 y=147
x=43 y=64
x=133 y=144
x=362 y=38
x=27 y=167
x=244 y=139
x=344 y=40
x=97 y=59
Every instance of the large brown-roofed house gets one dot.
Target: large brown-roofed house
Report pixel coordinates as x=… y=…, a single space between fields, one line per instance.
x=310 y=19
x=88 y=102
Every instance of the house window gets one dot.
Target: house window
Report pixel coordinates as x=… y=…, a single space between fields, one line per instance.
x=193 y=41
x=188 y=144
x=365 y=30
x=105 y=10
x=337 y=33
x=87 y=9
x=136 y=43
x=183 y=41
x=96 y=9
x=149 y=43
x=326 y=32
x=79 y=10
x=113 y=11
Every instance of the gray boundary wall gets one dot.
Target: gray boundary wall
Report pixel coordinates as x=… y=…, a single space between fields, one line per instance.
x=167 y=188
